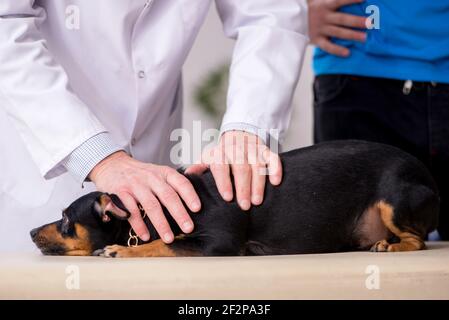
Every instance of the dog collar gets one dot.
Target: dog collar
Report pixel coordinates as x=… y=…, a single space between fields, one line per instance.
x=133 y=239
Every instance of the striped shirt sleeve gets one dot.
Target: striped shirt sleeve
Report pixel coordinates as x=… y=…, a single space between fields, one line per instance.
x=84 y=158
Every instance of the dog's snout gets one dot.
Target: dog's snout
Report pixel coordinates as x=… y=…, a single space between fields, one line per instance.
x=34 y=232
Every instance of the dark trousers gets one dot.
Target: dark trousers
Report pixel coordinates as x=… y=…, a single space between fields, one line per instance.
x=374 y=109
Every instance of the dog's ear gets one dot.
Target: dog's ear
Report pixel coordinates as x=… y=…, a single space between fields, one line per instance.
x=109 y=205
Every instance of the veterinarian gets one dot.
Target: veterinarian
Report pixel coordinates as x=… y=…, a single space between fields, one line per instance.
x=95 y=88
x=387 y=81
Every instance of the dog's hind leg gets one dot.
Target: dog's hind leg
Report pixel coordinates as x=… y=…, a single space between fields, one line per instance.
x=181 y=247
x=408 y=240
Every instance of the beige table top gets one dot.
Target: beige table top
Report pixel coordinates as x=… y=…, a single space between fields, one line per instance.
x=411 y=275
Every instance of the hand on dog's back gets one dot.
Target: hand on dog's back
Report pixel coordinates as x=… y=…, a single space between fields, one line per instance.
x=153 y=186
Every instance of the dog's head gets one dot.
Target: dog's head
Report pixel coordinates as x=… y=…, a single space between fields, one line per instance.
x=90 y=223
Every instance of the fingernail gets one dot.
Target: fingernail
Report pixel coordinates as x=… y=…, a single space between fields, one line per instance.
x=187 y=227
x=257 y=199
x=245 y=205
x=276 y=180
x=227 y=196
x=168 y=237
x=145 y=237
x=196 y=206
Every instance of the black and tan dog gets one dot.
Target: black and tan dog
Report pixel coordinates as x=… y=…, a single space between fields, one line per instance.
x=337 y=196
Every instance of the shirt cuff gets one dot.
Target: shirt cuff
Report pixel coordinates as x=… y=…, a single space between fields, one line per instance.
x=84 y=158
x=241 y=126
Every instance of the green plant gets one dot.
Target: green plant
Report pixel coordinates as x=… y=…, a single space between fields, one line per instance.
x=210 y=95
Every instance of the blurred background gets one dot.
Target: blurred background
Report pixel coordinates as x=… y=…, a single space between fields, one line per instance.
x=31 y=203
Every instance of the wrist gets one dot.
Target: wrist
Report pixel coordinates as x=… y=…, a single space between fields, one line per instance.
x=240 y=132
x=103 y=164
x=245 y=127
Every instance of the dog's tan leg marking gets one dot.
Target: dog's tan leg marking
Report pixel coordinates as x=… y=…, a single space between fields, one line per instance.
x=381 y=246
x=408 y=241
x=155 y=248
x=78 y=253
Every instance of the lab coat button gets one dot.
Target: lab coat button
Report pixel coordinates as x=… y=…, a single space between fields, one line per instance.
x=141 y=74
x=133 y=141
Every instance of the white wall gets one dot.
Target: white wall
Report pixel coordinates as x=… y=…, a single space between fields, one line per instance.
x=210 y=51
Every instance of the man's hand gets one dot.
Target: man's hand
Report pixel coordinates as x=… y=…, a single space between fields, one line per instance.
x=326 y=22
x=149 y=185
x=246 y=156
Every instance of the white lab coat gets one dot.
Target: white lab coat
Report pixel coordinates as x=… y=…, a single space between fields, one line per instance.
x=70 y=69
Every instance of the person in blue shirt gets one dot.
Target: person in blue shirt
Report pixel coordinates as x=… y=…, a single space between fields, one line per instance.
x=382 y=74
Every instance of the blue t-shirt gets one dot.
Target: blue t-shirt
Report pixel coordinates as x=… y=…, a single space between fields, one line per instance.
x=412 y=43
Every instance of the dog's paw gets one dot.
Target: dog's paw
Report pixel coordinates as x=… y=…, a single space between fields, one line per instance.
x=98 y=252
x=114 y=251
x=380 y=246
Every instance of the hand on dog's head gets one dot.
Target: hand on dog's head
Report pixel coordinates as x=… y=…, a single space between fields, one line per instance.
x=88 y=224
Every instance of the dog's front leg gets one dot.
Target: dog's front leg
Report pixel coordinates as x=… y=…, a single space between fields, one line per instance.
x=156 y=248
